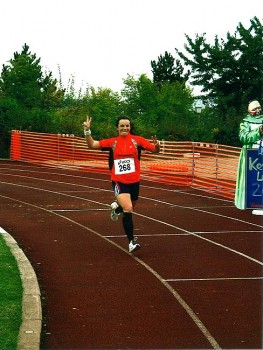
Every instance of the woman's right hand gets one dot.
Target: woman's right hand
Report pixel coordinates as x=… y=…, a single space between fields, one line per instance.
x=87 y=123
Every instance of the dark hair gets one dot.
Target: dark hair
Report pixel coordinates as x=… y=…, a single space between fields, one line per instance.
x=127 y=118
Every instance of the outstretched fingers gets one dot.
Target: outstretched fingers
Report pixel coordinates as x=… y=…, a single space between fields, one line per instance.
x=154 y=138
x=87 y=123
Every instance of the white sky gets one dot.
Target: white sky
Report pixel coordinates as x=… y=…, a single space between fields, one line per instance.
x=101 y=41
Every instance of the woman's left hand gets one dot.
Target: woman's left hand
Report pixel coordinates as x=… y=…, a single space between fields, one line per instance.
x=156 y=143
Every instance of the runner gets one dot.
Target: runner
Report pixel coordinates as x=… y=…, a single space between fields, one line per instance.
x=125 y=170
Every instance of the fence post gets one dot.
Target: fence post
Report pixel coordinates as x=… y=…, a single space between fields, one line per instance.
x=217 y=164
x=15 y=153
x=58 y=155
x=193 y=162
x=73 y=160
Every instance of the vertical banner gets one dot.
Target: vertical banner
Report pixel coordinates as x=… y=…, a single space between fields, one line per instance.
x=15 y=153
x=254 y=179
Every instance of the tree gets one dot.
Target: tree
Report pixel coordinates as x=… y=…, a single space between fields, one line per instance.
x=36 y=93
x=230 y=73
x=105 y=106
x=165 y=110
x=28 y=97
x=166 y=69
x=176 y=118
x=140 y=103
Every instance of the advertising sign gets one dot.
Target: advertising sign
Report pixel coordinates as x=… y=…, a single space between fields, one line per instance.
x=254 y=179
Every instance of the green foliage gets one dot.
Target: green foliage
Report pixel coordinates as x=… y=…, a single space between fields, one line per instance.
x=164 y=110
x=205 y=126
x=165 y=71
x=140 y=103
x=21 y=79
x=10 y=298
x=229 y=72
x=102 y=104
x=28 y=97
x=105 y=106
x=174 y=112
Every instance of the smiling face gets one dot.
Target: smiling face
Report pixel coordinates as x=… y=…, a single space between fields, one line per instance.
x=124 y=127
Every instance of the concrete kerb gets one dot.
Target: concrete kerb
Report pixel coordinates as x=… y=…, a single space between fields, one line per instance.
x=30 y=328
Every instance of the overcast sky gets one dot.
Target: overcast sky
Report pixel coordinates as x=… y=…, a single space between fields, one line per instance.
x=99 y=42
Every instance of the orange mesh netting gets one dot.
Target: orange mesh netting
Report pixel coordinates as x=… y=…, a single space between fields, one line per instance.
x=206 y=166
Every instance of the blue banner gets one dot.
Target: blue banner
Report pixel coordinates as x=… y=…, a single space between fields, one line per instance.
x=254 y=179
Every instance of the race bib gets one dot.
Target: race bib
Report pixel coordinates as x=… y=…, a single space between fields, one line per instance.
x=124 y=166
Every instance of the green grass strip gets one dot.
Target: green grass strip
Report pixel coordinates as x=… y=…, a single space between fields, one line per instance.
x=11 y=292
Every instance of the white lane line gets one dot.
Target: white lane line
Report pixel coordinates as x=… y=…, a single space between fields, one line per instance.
x=107 y=180
x=176 y=295
x=202 y=211
x=55 y=182
x=205 y=239
x=180 y=234
x=146 y=198
x=150 y=235
x=212 y=279
x=144 y=216
x=226 y=231
x=203 y=195
x=79 y=210
x=53 y=192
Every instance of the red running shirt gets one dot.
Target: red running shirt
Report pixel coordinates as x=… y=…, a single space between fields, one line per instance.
x=126 y=168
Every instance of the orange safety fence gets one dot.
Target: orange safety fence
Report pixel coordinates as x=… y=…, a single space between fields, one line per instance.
x=205 y=166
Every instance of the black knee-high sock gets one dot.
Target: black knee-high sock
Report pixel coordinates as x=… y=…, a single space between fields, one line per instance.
x=119 y=210
x=128 y=225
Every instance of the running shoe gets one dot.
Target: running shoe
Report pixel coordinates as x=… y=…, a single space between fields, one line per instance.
x=133 y=246
x=113 y=215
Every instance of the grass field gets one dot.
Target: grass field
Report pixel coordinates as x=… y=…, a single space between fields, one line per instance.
x=10 y=298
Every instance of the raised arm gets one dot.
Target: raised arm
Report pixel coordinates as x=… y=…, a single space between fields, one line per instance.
x=87 y=133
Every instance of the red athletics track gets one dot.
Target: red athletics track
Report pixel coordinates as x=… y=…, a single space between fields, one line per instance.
x=195 y=284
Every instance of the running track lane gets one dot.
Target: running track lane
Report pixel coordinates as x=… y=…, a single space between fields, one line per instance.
x=196 y=282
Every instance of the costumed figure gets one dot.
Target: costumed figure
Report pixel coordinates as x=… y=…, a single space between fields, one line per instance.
x=250 y=135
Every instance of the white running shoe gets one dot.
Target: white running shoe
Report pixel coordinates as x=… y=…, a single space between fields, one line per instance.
x=133 y=246
x=113 y=215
